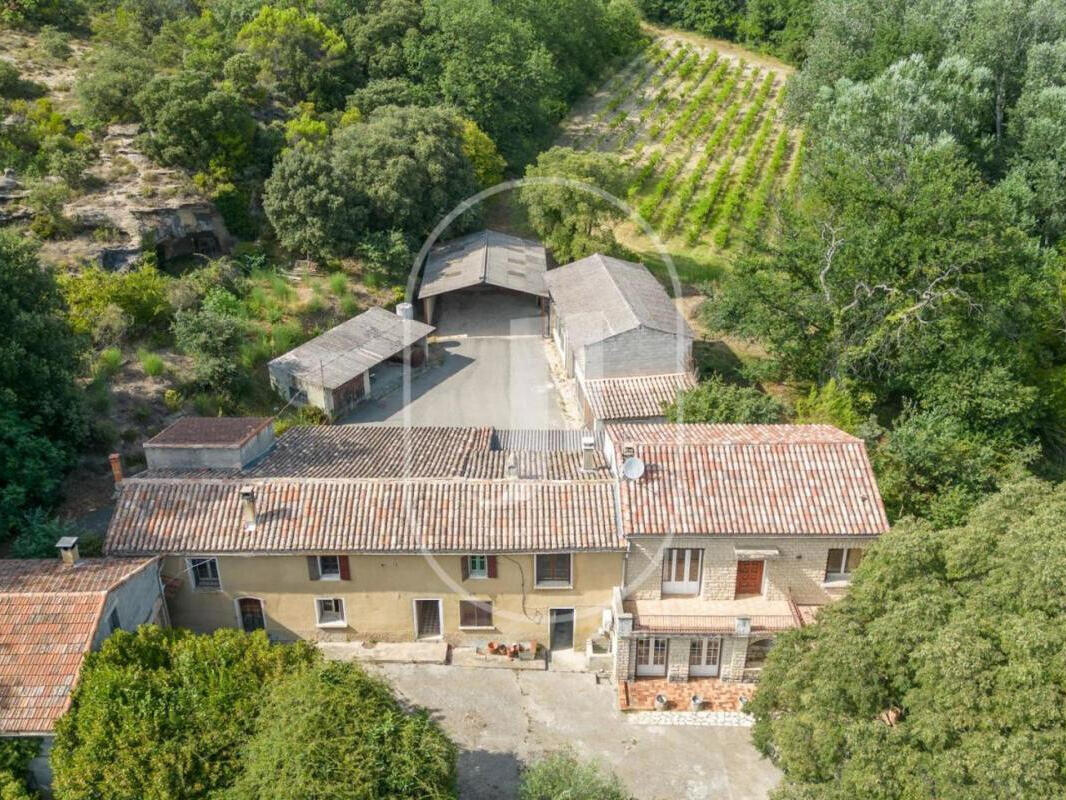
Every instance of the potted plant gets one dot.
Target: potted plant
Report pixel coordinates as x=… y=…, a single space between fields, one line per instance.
x=695 y=702
x=661 y=703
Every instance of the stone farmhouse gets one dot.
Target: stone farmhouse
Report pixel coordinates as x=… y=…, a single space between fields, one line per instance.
x=662 y=551
x=629 y=350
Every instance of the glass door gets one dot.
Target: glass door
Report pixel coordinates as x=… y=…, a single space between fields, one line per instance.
x=681 y=571
x=704 y=657
x=651 y=657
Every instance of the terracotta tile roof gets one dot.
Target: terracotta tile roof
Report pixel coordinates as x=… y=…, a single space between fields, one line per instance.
x=536 y=465
x=748 y=479
x=634 y=397
x=49 y=613
x=305 y=515
x=210 y=431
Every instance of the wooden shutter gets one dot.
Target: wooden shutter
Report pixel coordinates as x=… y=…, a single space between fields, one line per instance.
x=312 y=568
x=492 y=566
x=464 y=568
x=346 y=571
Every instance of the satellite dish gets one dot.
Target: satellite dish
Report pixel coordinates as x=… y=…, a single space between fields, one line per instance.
x=632 y=468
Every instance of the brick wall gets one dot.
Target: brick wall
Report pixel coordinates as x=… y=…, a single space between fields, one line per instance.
x=800 y=567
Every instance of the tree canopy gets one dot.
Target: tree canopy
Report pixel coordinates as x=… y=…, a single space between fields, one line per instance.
x=940 y=673
x=334 y=731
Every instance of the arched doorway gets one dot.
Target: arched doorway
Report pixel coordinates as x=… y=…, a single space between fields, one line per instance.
x=250 y=613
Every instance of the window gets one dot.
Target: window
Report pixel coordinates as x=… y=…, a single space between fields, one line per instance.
x=552 y=570
x=681 y=571
x=113 y=621
x=204 y=573
x=475 y=614
x=330 y=612
x=329 y=568
x=841 y=563
x=479 y=566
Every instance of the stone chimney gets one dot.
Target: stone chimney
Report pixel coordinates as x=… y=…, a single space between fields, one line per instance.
x=248 y=508
x=68 y=550
x=588 y=453
x=116 y=467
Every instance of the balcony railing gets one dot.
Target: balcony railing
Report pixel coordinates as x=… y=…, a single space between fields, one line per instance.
x=705 y=623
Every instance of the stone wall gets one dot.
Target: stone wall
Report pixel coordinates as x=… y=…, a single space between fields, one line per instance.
x=800 y=569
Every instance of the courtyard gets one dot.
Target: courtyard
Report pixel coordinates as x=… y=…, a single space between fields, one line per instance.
x=493 y=370
x=501 y=719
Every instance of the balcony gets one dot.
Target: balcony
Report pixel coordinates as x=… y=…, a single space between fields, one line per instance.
x=693 y=615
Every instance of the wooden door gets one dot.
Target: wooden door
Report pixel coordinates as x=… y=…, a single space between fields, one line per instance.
x=251 y=610
x=749 y=578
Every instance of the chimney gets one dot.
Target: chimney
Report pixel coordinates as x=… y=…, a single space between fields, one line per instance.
x=511 y=469
x=588 y=453
x=743 y=626
x=628 y=450
x=68 y=550
x=116 y=466
x=405 y=310
x=248 y=508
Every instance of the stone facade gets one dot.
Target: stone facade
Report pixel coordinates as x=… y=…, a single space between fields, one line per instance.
x=799 y=570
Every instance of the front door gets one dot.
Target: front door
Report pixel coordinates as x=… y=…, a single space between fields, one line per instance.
x=681 y=571
x=651 y=657
x=251 y=610
x=703 y=657
x=427 y=618
x=749 y=578
x=562 y=628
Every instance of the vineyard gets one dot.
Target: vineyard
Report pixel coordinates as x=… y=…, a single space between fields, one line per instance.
x=703 y=135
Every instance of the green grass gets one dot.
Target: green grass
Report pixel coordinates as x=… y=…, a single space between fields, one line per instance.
x=338 y=284
x=151 y=363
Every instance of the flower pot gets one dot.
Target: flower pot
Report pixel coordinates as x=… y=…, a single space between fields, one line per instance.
x=661 y=703
x=695 y=702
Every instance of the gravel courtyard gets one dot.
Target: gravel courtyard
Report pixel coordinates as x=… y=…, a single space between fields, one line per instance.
x=500 y=719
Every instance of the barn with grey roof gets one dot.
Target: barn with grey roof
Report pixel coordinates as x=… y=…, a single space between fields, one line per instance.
x=620 y=335
x=333 y=371
x=483 y=261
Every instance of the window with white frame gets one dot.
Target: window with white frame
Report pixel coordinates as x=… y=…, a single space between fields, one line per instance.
x=330 y=611
x=552 y=570
x=479 y=566
x=329 y=568
x=842 y=561
x=204 y=573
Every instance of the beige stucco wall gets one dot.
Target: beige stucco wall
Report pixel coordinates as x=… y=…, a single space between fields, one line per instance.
x=800 y=568
x=379 y=597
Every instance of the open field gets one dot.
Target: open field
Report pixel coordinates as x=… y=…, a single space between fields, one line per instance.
x=701 y=128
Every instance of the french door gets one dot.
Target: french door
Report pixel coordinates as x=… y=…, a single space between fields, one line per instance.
x=681 y=571
x=704 y=657
x=651 y=657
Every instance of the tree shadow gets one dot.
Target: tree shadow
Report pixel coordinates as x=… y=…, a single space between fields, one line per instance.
x=718 y=358
x=488 y=775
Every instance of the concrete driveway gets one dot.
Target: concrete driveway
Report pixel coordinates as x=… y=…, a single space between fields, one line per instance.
x=494 y=371
x=501 y=719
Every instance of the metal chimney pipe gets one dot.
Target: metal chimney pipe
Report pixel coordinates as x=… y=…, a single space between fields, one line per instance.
x=588 y=453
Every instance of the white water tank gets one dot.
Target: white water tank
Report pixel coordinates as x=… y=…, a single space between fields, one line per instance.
x=405 y=311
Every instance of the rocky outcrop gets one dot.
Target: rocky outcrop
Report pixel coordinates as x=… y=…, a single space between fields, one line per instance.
x=140 y=207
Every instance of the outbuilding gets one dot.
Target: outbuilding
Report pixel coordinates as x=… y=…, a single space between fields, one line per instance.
x=333 y=371
x=487 y=262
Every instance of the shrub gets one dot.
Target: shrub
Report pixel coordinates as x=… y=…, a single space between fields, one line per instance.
x=173 y=400
x=714 y=400
x=142 y=294
x=54 y=42
x=10 y=81
x=109 y=362
x=338 y=283
x=213 y=340
x=334 y=731
x=833 y=404
x=151 y=363
x=46 y=199
x=563 y=776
